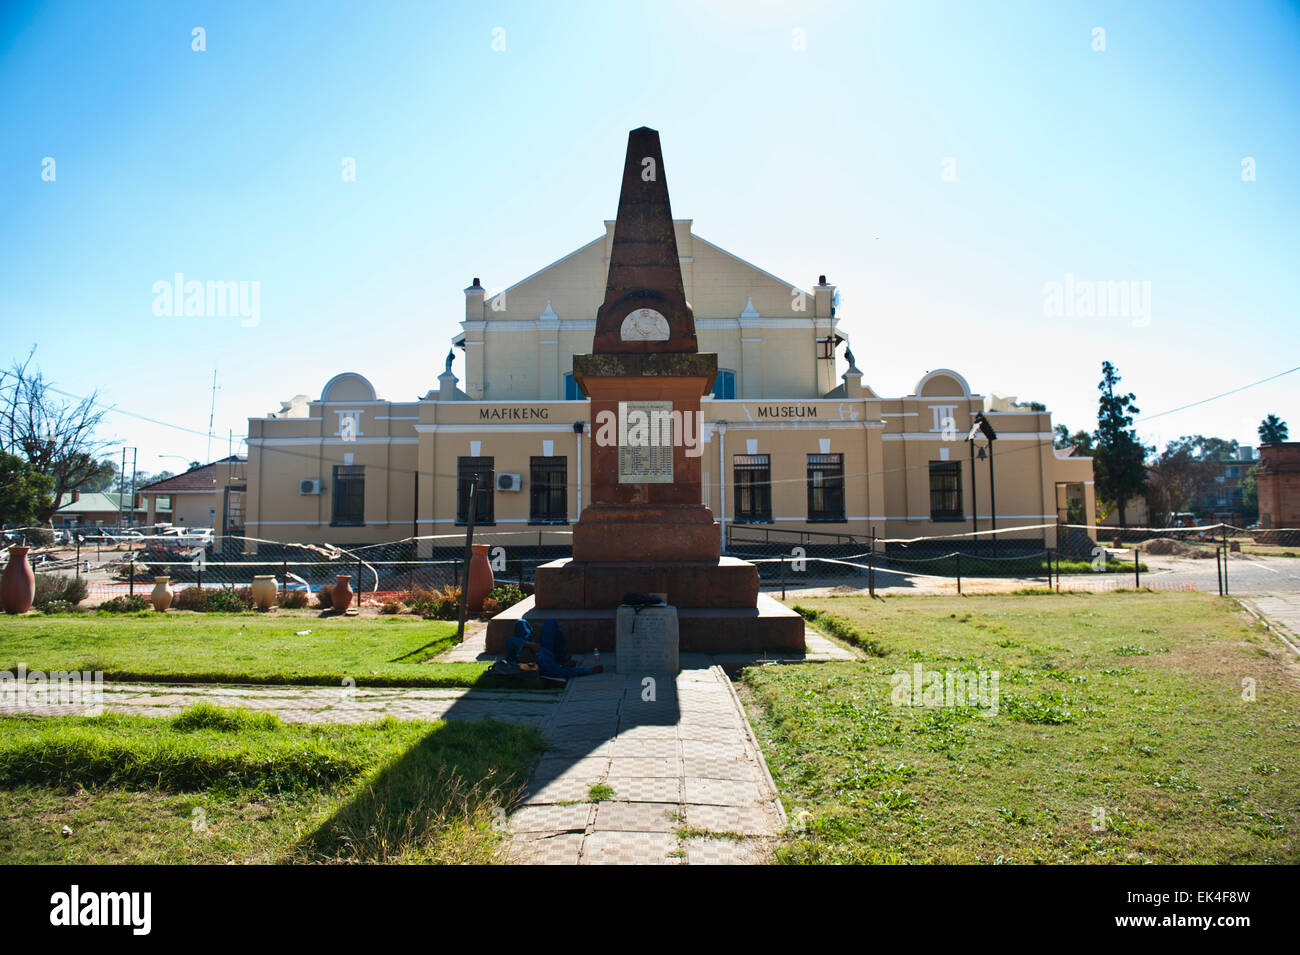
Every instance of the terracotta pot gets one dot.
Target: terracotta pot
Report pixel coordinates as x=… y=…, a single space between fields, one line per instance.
x=342 y=592
x=481 y=580
x=161 y=598
x=265 y=589
x=18 y=583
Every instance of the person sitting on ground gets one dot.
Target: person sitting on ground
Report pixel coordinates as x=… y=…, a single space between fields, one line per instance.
x=547 y=652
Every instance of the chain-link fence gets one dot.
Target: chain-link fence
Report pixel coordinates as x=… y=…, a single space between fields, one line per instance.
x=1060 y=556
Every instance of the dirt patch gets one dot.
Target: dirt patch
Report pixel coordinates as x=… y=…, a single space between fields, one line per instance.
x=1176 y=548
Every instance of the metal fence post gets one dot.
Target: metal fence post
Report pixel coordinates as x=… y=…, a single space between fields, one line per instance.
x=130 y=566
x=958 y=556
x=871 y=565
x=359 y=582
x=1137 y=568
x=284 y=573
x=1058 y=571
x=782 y=576
x=1218 y=567
x=1226 y=590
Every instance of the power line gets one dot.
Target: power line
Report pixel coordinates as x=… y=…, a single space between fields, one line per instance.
x=1217 y=397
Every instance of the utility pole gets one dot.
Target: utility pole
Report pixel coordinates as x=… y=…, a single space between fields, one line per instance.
x=212 y=411
x=130 y=514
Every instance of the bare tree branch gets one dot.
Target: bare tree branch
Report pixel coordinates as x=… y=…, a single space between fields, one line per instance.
x=54 y=436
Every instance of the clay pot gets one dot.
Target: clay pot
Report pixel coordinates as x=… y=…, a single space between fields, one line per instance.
x=342 y=592
x=481 y=580
x=265 y=589
x=161 y=598
x=18 y=583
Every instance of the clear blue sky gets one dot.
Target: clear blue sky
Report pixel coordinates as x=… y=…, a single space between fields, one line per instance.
x=1122 y=165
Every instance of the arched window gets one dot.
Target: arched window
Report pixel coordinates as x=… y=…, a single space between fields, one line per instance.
x=725 y=384
x=571 y=390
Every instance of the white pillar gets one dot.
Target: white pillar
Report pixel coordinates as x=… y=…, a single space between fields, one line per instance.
x=722 y=483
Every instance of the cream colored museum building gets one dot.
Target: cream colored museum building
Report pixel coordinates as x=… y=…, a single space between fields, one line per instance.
x=788 y=443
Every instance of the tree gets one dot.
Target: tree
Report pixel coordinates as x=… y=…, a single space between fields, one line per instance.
x=1272 y=429
x=104 y=479
x=1177 y=477
x=23 y=491
x=1250 y=494
x=56 y=438
x=1214 y=449
x=1080 y=440
x=1119 y=458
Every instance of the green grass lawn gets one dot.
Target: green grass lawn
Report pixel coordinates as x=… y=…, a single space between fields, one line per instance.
x=219 y=786
x=238 y=648
x=1121 y=734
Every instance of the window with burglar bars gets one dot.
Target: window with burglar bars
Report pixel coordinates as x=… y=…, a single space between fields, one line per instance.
x=753 y=483
x=467 y=469
x=826 y=487
x=349 y=496
x=548 y=491
x=945 y=491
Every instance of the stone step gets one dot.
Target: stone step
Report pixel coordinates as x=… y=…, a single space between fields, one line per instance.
x=586 y=585
x=768 y=626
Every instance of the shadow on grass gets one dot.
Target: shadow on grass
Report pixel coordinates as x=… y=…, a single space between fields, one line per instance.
x=441 y=801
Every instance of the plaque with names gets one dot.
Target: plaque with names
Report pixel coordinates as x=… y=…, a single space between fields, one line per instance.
x=647 y=640
x=645 y=442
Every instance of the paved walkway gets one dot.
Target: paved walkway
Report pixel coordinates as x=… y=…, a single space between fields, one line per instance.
x=685 y=781
x=1282 y=611
x=818 y=650
x=321 y=704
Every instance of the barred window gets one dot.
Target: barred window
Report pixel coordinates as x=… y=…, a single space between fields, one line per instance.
x=826 y=487
x=349 y=496
x=467 y=469
x=945 y=491
x=548 y=490
x=753 y=484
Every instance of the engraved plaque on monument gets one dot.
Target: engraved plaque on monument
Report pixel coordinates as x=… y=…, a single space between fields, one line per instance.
x=646 y=640
x=645 y=442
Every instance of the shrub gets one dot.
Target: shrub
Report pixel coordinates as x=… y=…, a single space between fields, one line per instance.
x=229 y=600
x=325 y=598
x=56 y=587
x=292 y=599
x=390 y=607
x=490 y=607
x=441 y=604
x=125 y=603
x=38 y=536
x=504 y=595
x=58 y=606
x=191 y=598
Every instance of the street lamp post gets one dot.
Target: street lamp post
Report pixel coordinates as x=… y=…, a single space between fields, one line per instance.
x=981 y=426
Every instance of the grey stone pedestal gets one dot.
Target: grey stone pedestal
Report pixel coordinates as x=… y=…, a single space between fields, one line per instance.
x=647 y=640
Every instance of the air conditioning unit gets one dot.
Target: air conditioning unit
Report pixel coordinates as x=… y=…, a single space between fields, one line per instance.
x=310 y=486
x=510 y=482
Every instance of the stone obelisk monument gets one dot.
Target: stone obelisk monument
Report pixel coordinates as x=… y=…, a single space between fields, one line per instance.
x=646 y=530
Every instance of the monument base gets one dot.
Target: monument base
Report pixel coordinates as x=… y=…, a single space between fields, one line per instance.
x=637 y=533
x=589 y=585
x=769 y=626
x=647 y=640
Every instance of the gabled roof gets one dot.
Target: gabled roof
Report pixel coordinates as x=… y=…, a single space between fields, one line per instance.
x=95 y=502
x=202 y=478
